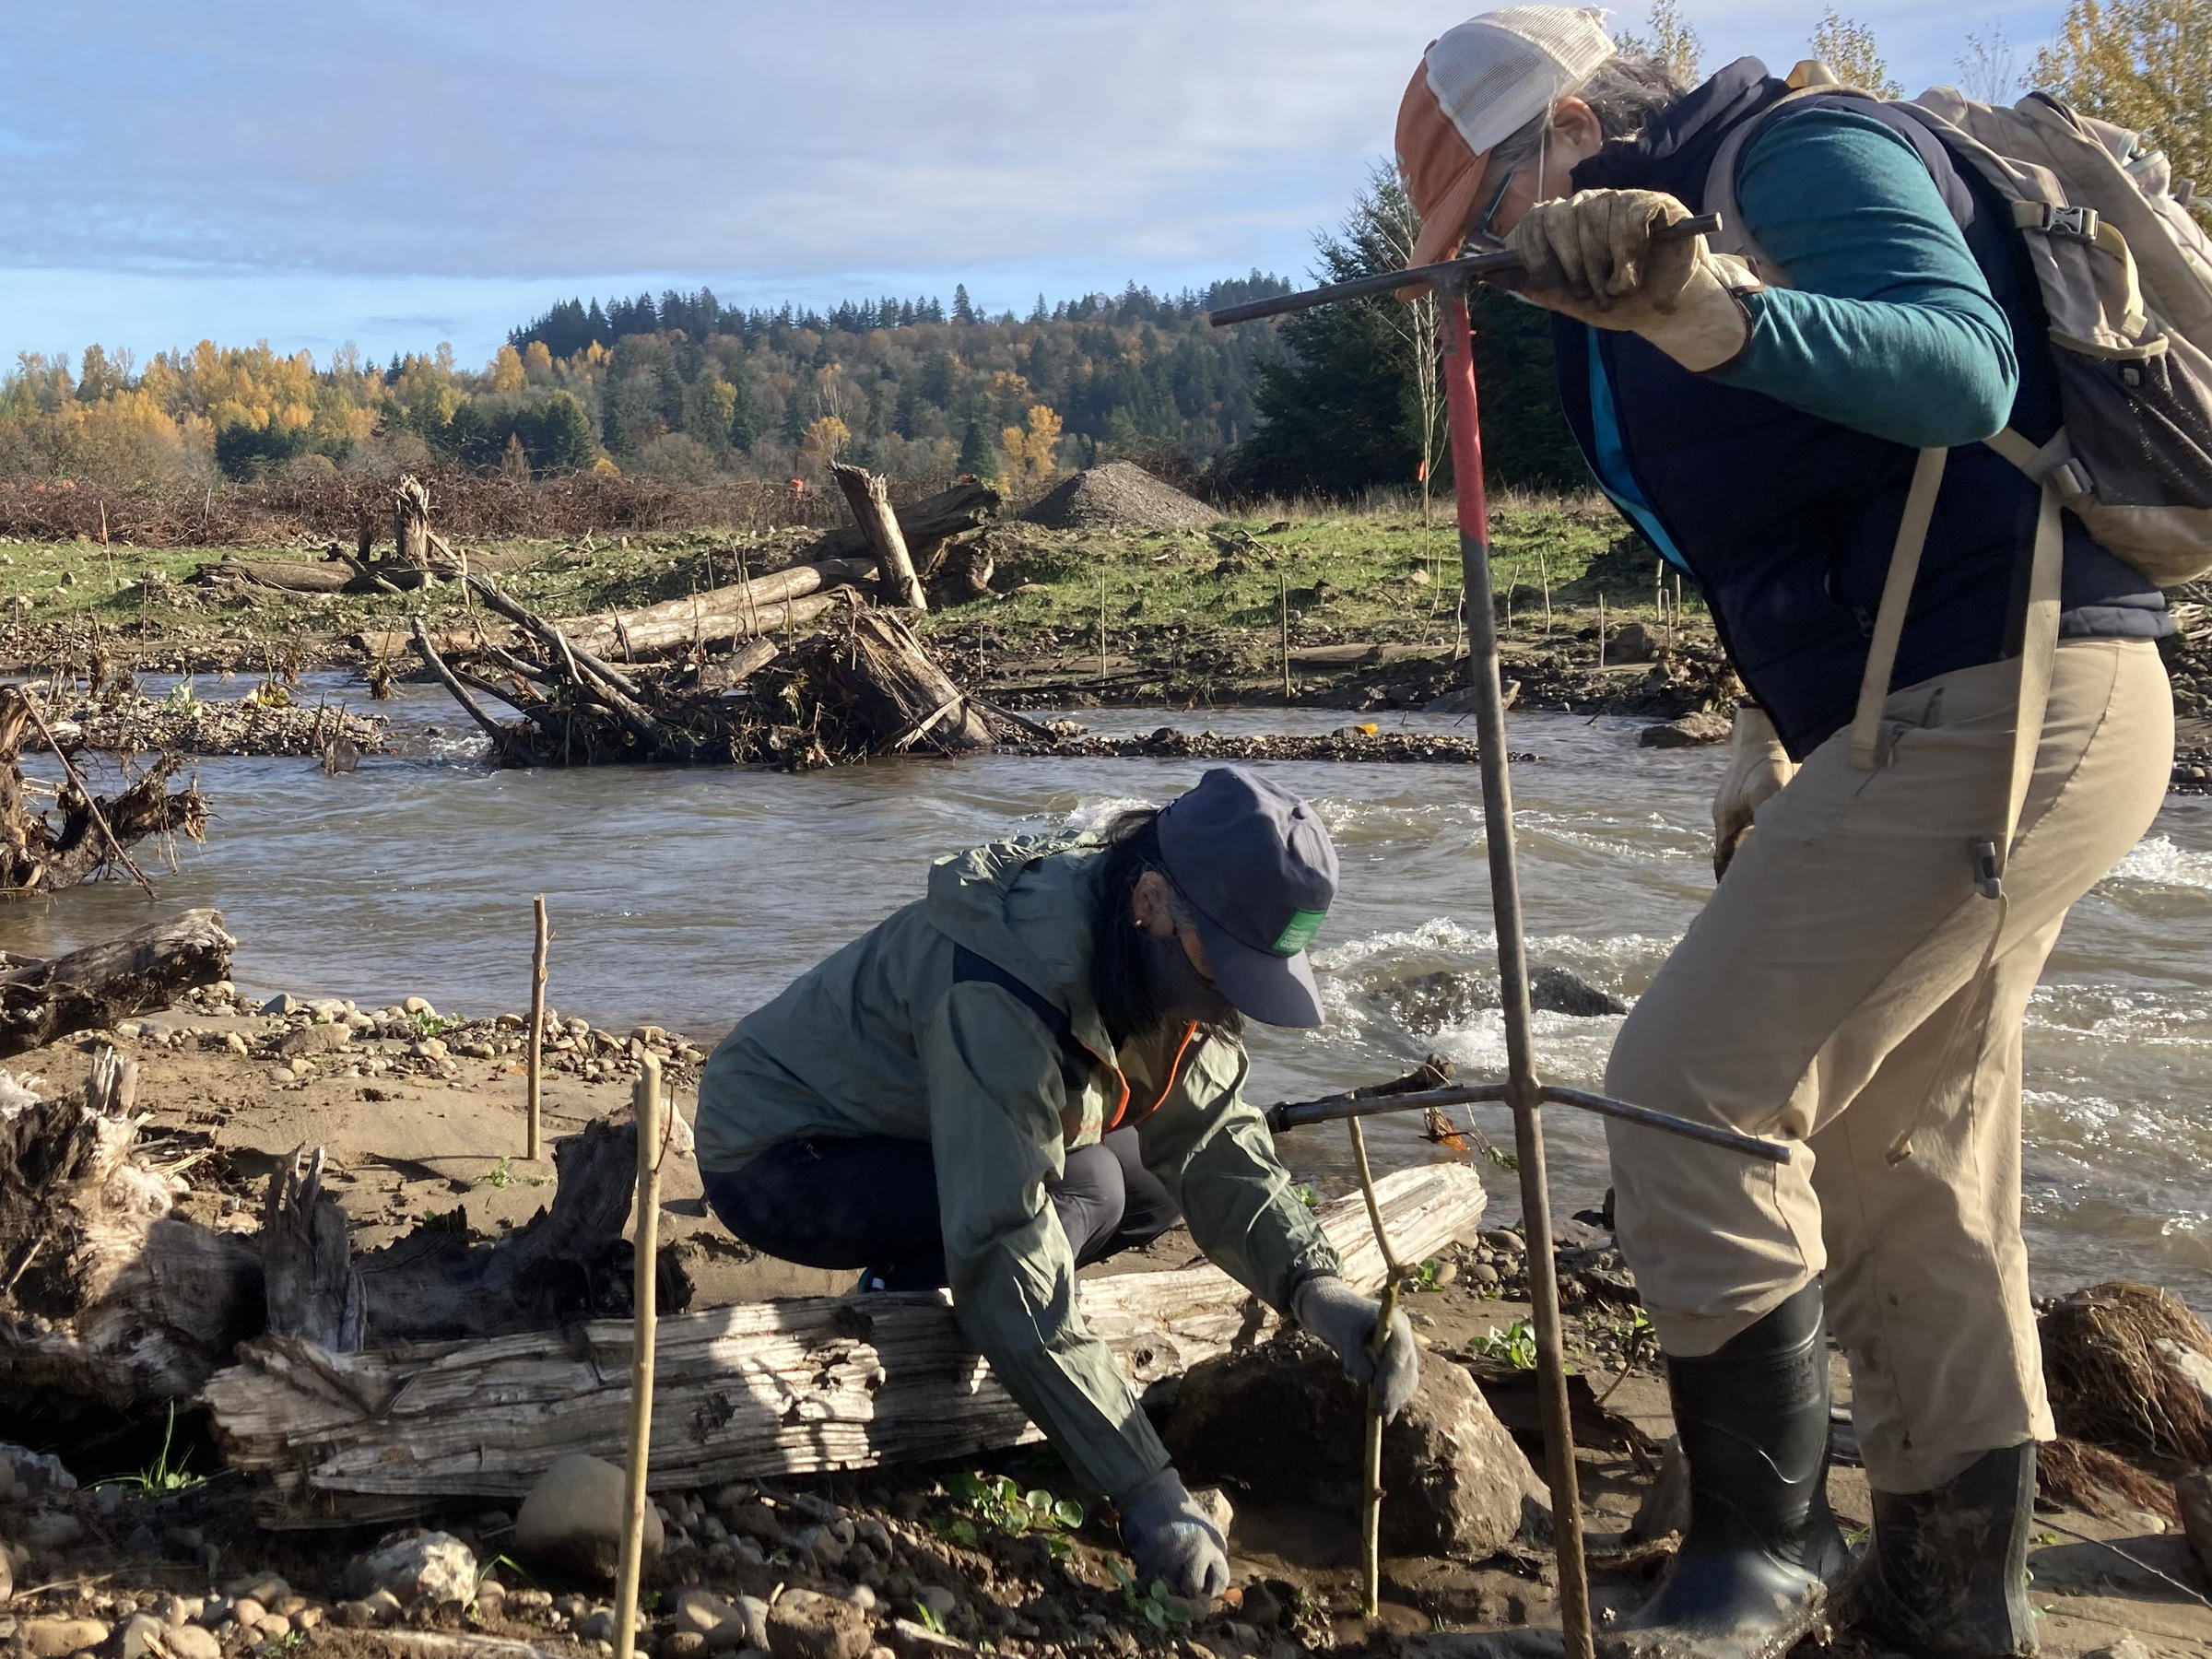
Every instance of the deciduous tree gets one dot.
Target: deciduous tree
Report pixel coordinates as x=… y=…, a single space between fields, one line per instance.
x=2142 y=64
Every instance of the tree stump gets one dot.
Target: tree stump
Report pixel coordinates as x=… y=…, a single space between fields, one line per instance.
x=871 y=503
x=411 y=522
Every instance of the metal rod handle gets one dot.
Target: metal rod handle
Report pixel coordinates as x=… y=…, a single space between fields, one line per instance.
x=1750 y=1145
x=1475 y=268
x=1329 y=1109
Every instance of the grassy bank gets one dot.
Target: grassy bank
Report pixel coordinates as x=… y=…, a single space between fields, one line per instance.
x=1356 y=599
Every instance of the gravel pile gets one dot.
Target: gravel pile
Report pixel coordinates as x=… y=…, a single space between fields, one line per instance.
x=1119 y=496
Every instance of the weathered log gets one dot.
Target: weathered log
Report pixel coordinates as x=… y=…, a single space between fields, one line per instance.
x=290 y=576
x=567 y=1262
x=870 y=499
x=411 y=522
x=107 y=1302
x=740 y=666
x=736 y=612
x=966 y=506
x=38 y=853
x=93 y=988
x=895 y=692
x=759 y=1389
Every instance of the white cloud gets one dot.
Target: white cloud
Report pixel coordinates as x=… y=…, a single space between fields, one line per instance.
x=807 y=149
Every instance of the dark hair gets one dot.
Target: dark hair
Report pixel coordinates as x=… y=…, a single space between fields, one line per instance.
x=1625 y=93
x=1118 y=981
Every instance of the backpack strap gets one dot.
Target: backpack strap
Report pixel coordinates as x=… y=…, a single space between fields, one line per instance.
x=1076 y=1060
x=2050 y=466
x=1897 y=600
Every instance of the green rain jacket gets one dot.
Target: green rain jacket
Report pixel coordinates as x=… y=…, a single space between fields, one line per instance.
x=879 y=1039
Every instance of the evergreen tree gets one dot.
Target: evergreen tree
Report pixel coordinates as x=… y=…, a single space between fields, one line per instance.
x=1341 y=414
x=976 y=456
x=962 y=311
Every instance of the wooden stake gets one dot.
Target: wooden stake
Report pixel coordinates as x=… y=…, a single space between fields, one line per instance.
x=1283 y=611
x=1544 y=571
x=1601 y=628
x=1101 y=628
x=646 y=1101
x=1371 y=1488
x=537 y=1025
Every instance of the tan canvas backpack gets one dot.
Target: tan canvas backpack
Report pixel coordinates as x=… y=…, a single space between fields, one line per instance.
x=2125 y=275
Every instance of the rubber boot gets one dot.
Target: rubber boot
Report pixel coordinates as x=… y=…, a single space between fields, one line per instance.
x=1946 y=1577
x=1752 y=1576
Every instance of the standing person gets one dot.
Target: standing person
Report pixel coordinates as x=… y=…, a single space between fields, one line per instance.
x=1851 y=986
x=1035 y=1066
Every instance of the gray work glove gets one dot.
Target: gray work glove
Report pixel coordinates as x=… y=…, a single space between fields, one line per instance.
x=1343 y=1319
x=1170 y=1539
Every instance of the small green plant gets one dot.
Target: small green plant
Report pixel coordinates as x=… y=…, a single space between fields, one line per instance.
x=1515 y=1345
x=181 y=698
x=1422 y=1276
x=1306 y=1195
x=163 y=1474
x=996 y=1502
x=1160 y=1610
x=930 y=1618
x=427 y=1026
x=291 y=1641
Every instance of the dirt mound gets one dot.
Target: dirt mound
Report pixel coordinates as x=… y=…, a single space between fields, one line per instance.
x=1119 y=496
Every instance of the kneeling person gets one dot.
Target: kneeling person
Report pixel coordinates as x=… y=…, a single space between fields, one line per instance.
x=1039 y=1064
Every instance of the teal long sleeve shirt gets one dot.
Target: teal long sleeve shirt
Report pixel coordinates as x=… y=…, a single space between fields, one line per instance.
x=1888 y=325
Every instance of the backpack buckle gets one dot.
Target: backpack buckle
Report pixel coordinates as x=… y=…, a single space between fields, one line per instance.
x=2076 y=224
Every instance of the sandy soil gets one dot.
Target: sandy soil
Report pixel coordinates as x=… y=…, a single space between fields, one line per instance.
x=433 y=1133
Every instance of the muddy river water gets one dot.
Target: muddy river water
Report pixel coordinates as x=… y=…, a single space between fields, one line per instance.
x=688 y=897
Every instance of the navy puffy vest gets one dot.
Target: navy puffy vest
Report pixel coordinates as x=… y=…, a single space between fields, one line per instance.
x=1787 y=520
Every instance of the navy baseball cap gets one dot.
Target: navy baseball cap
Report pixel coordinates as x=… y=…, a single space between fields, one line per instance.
x=1255 y=863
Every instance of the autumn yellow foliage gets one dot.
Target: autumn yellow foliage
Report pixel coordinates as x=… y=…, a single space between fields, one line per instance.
x=2146 y=64
x=1031 y=452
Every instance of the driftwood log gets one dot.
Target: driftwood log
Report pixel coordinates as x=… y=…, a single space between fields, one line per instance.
x=966 y=506
x=44 y=998
x=86 y=834
x=110 y=1302
x=743 y=610
x=863 y=687
x=569 y=1262
x=896 y=693
x=106 y=1299
x=757 y=1389
x=870 y=498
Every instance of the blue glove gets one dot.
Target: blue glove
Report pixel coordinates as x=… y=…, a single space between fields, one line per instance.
x=1343 y=1319
x=1170 y=1539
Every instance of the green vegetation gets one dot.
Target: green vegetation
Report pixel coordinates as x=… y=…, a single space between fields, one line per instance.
x=998 y=1502
x=1200 y=612
x=1515 y=1345
x=167 y=1473
x=1159 y=1610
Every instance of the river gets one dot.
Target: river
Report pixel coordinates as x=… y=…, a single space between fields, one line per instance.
x=688 y=897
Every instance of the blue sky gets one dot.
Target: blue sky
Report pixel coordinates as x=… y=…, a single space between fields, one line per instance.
x=405 y=173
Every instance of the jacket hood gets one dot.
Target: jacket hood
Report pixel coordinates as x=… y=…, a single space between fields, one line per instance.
x=1026 y=904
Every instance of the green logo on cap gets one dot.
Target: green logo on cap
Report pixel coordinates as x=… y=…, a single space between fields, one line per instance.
x=1305 y=924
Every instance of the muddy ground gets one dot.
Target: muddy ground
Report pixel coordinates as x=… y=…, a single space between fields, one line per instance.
x=423 y=1118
